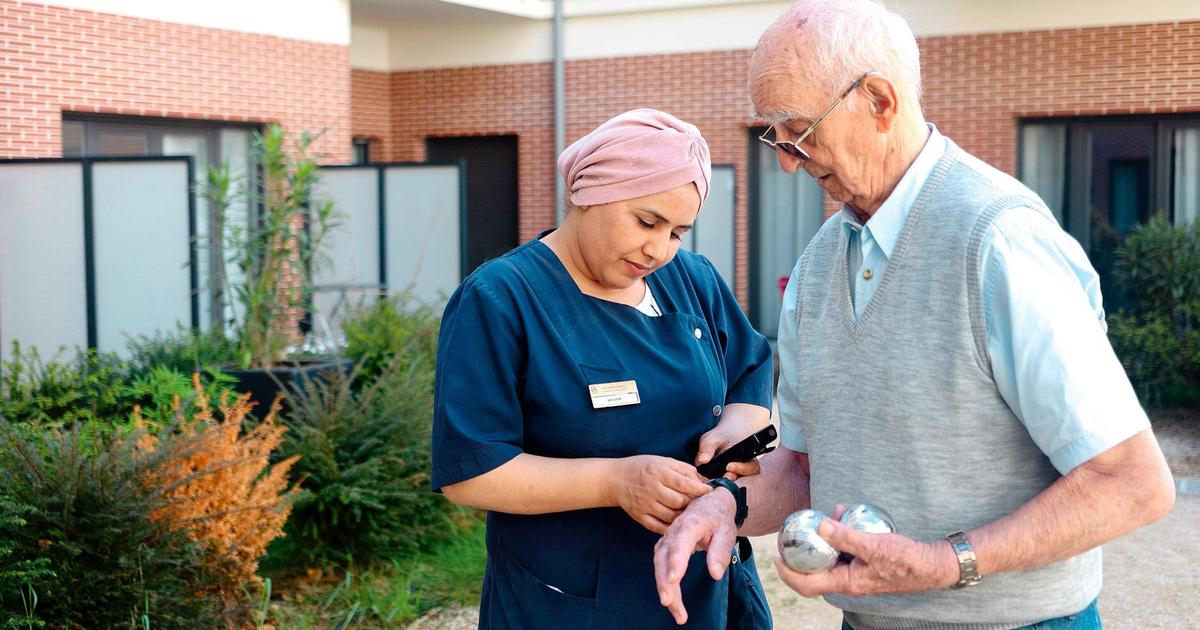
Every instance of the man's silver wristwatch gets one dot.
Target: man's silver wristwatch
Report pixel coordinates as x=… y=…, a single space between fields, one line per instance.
x=968 y=571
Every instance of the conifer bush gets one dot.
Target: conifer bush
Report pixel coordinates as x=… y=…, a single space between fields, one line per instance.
x=221 y=488
x=76 y=535
x=364 y=467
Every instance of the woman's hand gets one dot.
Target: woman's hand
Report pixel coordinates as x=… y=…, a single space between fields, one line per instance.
x=653 y=490
x=738 y=422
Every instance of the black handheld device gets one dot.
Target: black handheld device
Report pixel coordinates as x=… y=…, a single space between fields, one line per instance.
x=743 y=451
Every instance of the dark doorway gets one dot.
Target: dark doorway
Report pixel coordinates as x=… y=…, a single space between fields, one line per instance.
x=1118 y=167
x=491 y=191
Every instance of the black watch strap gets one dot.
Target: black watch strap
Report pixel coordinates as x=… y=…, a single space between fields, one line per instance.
x=739 y=498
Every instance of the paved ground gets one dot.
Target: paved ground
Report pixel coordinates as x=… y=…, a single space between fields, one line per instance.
x=1151 y=577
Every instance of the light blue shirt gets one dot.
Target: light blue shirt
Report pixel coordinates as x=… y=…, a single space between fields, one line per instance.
x=1046 y=333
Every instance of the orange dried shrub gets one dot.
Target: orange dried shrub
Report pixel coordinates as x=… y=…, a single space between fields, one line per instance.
x=225 y=492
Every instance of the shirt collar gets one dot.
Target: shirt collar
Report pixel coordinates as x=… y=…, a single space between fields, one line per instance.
x=887 y=222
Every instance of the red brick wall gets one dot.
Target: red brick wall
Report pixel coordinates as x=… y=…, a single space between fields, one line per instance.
x=976 y=88
x=518 y=99
x=56 y=59
x=371 y=111
x=495 y=100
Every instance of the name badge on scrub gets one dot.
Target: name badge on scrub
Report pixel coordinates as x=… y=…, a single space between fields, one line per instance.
x=616 y=394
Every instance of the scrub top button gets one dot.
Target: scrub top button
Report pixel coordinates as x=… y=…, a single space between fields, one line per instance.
x=698 y=333
x=717 y=410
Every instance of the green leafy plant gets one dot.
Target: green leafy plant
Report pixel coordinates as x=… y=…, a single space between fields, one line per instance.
x=18 y=595
x=97 y=389
x=184 y=351
x=393 y=327
x=161 y=393
x=279 y=250
x=88 y=386
x=1158 y=341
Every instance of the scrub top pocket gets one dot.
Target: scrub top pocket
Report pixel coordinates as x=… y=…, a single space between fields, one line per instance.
x=540 y=605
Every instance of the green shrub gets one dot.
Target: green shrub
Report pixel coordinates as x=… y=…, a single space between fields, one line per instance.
x=365 y=457
x=185 y=351
x=18 y=596
x=98 y=389
x=1158 y=342
x=77 y=532
x=158 y=390
x=86 y=387
x=395 y=327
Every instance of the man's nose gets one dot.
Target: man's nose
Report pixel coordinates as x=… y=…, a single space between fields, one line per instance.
x=790 y=163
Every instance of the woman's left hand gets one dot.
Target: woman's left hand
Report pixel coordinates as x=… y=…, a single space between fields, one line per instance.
x=738 y=421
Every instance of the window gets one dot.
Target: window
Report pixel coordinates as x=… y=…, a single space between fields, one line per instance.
x=208 y=144
x=361 y=152
x=1103 y=177
x=785 y=213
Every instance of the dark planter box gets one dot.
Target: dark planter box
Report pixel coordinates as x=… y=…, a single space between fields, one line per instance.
x=265 y=385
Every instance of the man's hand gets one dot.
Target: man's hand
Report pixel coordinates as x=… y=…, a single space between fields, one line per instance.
x=706 y=524
x=883 y=563
x=653 y=490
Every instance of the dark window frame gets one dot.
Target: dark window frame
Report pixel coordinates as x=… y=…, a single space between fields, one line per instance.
x=1161 y=159
x=366 y=144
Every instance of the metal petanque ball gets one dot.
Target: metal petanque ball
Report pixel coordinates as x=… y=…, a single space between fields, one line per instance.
x=802 y=549
x=868 y=518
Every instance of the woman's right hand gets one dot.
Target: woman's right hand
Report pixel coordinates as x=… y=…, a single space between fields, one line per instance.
x=653 y=490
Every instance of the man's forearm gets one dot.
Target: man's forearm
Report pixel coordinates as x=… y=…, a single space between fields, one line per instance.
x=1114 y=493
x=778 y=490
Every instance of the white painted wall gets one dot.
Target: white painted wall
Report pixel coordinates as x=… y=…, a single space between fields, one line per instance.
x=369 y=48
x=326 y=21
x=942 y=17
x=593 y=30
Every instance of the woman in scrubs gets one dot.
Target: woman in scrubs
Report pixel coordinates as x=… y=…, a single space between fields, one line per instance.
x=579 y=378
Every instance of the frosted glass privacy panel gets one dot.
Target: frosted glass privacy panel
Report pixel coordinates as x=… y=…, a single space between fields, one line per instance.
x=714 y=228
x=423 y=229
x=142 y=243
x=43 y=281
x=350 y=276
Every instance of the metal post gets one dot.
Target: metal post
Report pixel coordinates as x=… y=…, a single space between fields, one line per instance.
x=560 y=209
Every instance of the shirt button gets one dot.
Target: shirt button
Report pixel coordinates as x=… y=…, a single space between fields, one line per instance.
x=716 y=410
x=868 y=274
x=698 y=333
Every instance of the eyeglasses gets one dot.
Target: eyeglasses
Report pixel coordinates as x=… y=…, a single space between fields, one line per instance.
x=792 y=147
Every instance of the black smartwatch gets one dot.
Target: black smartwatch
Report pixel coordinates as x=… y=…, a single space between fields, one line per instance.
x=739 y=498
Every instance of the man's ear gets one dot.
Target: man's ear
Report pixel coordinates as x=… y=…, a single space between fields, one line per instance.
x=884 y=101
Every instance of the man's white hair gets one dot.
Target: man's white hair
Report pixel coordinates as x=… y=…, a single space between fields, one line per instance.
x=854 y=37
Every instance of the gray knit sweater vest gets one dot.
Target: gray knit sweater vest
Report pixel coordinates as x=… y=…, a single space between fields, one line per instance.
x=899 y=408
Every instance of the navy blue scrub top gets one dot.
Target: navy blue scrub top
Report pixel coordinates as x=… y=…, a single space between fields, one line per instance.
x=519 y=346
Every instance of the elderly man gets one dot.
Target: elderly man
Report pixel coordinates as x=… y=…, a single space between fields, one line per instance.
x=942 y=354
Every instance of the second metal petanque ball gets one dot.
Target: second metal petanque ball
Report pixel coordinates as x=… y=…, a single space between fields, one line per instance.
x=804 y=550
x=868 y=518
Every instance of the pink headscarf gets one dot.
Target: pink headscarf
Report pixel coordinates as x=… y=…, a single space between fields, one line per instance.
x=638 y=153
